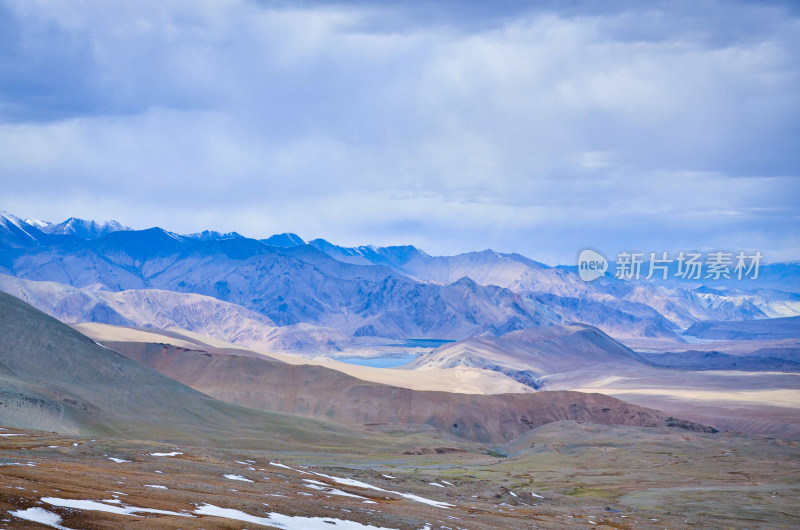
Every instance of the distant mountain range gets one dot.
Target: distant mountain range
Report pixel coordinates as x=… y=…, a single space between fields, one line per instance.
x=54 y=378
x=772 y=329
x=83 y=229
x=395 y=292
x=19 y=232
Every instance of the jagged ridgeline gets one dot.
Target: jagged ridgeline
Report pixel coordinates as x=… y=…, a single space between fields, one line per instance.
x=390 y=292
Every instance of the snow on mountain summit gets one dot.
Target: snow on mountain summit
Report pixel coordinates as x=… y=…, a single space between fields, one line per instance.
x=85 y=229
x=38 y=223
x=16 y=233
x=287 y=240
x=213 y=235
x=394 y=256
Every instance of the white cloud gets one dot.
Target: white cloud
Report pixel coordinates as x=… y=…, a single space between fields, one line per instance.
x=541 y=134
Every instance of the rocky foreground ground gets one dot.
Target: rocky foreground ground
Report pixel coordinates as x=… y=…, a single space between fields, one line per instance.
x=561 y=475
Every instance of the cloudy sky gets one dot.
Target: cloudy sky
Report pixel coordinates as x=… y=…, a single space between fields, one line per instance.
x=450 y=125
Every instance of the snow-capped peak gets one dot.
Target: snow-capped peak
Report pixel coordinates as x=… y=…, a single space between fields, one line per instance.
x=213 y=235
x=286 y=239
x=11 y=217
x=18 y=230
x=8 y=218
x=83 y=228
x=37 y=222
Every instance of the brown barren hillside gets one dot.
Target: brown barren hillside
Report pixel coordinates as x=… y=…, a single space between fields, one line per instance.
x=324 y=393
x=54 y=378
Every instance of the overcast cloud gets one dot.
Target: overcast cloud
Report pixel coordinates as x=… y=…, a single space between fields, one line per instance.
x=453 y=126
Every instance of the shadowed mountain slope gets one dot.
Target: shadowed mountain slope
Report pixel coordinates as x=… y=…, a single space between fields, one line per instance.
x=147 y=308
x=155 y=308
x=54 y=378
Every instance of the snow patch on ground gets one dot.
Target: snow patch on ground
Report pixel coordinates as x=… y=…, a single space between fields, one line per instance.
x=100 y=507
x=410 y=496
x=173 y=453
x=237 y=477
x=321 y=486
x=117 y=460
x=41 y=516
x=279 y=520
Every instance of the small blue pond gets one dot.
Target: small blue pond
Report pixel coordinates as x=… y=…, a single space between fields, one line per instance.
x=421 y=343
x=394 y=360
x=384 y=361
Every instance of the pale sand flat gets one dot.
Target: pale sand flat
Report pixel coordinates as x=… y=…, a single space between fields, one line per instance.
x=462 y=380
